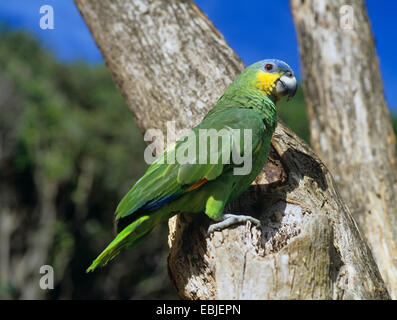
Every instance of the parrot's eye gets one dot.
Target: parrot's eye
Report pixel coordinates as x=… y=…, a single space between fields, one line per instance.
x=269 y=67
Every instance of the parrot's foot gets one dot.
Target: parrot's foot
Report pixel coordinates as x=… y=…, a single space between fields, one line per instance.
x=227 y=220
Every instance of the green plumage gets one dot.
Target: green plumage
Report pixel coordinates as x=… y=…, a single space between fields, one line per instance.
x=167 y=189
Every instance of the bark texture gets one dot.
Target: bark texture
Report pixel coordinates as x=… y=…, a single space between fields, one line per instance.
x=171 y=64
x=350 y=124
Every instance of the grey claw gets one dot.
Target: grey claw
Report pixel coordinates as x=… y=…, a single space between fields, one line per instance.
x=230 y=219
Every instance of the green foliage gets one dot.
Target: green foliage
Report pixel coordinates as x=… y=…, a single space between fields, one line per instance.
x=70 y=113
x=76 y=132
x=293 y=114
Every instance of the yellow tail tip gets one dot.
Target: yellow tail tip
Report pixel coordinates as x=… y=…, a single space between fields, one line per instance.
x=91 y=268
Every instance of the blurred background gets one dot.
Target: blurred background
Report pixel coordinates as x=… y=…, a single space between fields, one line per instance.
x=70 y=149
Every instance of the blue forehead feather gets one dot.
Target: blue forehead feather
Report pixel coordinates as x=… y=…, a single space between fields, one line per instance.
x=281 y=65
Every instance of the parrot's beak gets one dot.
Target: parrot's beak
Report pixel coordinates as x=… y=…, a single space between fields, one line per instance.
x=287 y=85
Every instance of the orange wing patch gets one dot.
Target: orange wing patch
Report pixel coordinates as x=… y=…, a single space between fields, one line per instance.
x=196 y=185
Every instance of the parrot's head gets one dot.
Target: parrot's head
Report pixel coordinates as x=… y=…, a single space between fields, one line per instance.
x=274 y=78
x=267 y=79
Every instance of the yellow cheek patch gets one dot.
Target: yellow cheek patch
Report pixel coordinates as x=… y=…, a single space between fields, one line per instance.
x=267 y=81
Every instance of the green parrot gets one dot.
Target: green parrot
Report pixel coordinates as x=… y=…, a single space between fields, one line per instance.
x=192 y=176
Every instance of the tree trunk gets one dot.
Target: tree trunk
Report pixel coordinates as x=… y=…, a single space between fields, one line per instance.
x=350 y=124
x=171 y=63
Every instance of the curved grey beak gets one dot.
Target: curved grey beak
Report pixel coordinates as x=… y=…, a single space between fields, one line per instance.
x=287 y=85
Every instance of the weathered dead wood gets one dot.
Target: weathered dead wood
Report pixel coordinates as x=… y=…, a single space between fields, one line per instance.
x=170 y=63
x=350 y=123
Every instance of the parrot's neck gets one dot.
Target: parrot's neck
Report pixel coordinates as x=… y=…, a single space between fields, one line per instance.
x=258 y=102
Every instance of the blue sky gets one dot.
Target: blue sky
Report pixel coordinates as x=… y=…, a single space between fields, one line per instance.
x=255 y=29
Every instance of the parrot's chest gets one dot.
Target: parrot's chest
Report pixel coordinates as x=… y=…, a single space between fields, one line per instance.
x=259 y=158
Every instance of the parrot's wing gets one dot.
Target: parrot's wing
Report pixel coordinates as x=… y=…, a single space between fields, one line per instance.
x=164 y=182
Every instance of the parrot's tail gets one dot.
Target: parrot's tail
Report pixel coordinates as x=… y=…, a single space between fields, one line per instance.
x=127 y=238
